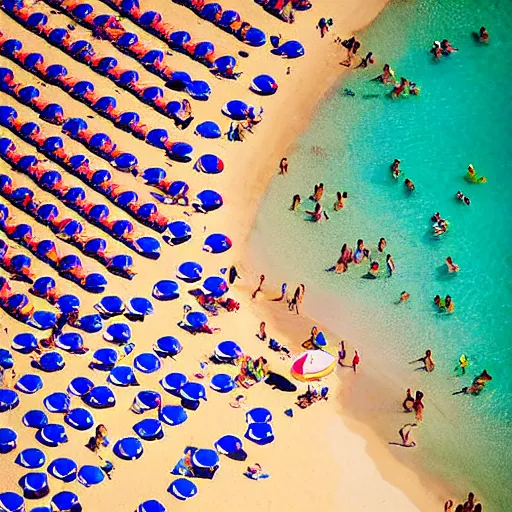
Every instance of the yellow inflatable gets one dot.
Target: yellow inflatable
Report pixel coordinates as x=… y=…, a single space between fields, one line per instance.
x=472 y=176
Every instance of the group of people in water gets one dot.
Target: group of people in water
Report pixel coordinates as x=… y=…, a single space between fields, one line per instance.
x=470 y=505
x=318 y=213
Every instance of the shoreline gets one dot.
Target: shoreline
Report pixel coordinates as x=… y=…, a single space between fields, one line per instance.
x=354 y=460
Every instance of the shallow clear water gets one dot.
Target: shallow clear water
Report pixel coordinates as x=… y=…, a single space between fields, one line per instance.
x=461 y=116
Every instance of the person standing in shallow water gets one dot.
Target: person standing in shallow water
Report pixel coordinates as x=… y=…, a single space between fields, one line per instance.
x=427 y=361
x=283 y=166
x=295 y=203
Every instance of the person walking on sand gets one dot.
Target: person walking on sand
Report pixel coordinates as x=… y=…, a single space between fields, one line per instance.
x=283 y=166
x=342 y=353
x=418 y=406
x=408 y=403
x=262 y=335
x=284 y=287
x=297 y=299
x=255 y=292
x=355 y=361
x=448 y=506
x=427 y=361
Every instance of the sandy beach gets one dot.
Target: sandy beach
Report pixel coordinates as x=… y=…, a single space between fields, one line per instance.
x=321 y=458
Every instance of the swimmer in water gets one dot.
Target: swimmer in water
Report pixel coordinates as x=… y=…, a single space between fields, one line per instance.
x=439 y=302
x=382 y=245
x=414 y=89
x=339 y=204
x=374 y=269
x=360 y=252
x=295 y=203
x=390 y=265
x=344 y=259
x=452 y=267
x=449 y=305
x=404 y=297
x=436 y=50
x=447 y=48
x=318 y=193
x=318 y=213
x=408 y=403
x=436 y=217
x=366 y=60
x=440 y=227
x=386 y=77
x=461 y=197
x=477 y=386
x=409 y=184
x=463 y=364
x=483 y=35
x=395 y=168
x=400 y=88
x=428 y=362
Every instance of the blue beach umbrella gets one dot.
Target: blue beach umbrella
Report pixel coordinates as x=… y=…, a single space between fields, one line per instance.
x=82 y=11
x=10 y=47
x=289 y=50
x=79 y=419
x=71 y=342
x=89 y=323
x=149 y=17
x=118 y=333
x=260 y=433
x=121 y=265
x=180 y=152
x=69 y=263
x=81 y=49
x=146 y=210
x=177 y=232
x=228 y=17
x=147 y=363
x=32 y=60
x=56 y=72
x=140 y=306
x=122 y=376
x=127 y=39
x=31 y=458
x=208 y=130
x=122 y=228
x=66 y=501
x=50 y=179
x=100 y=397
x=24 y=343
x=258 y=415
x=90 y=475
x=57 y=402
x=128 y=448
x=27 y=94
x=217 y=243
x=157 y=137
x=148 y=246
x=167 y=346
x=28 y=130
x=209 y=164
x=52 y=113
x=149 y=429
x=80 y=386
x=222 y=383
x=182 y=488
x=126 y=198
x=110 y=306
x=52 y=435
x=198 y=90
x=128 y=78
x=173 y=415
x=210 y=11
x=152 y=94
x=9 y=400
x=263 y=85
x=205 y=458
x=193 y=391
x=228 y=351
x=42 y=320
x=151 y=506
x=216 y=285
x=73 y=195
x=50 y=362
x=29 y=384
x=99 y=177
x=208 y=201
x=146 y=401
x=173 y=382
x=47 y=212
x=231 y=446
x=127 y=119
x=6 y=360
x=178 y=39
x=68 y=304
x=190 y=272
x=35 y=419
x=27 y=162
x=34 y=485
x=105 y=65
x=152 y=58
x=104 y=104
x=236 y=109
x=255 y=37
x=73 y=126
x=225 y=64
x=196 y=319
x=178 y=81
x=98 y=213
x=63 y=469
x=166 y=290
x=102 y=19
x=203 y=49
x=153 y=175
x=7 y=440
x=12 y=502
x=126 y=162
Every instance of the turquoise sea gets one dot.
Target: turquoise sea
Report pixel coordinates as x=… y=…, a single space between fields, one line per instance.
x=462 y=115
